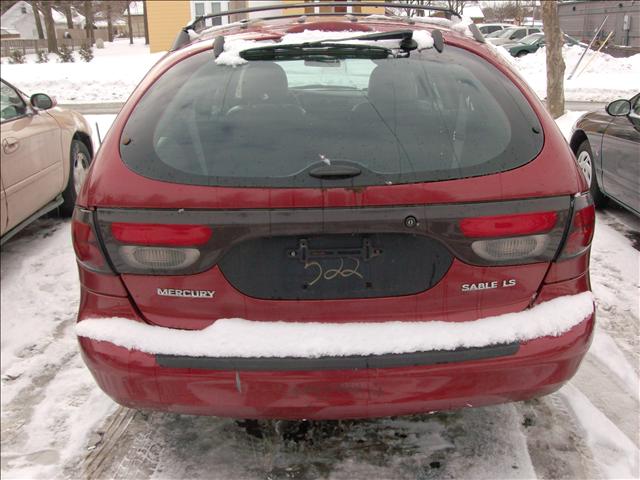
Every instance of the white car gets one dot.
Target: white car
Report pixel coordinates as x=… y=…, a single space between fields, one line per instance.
x=488 y=28
x=511 y=35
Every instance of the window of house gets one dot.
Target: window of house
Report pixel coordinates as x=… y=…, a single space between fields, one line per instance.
x=216 y=8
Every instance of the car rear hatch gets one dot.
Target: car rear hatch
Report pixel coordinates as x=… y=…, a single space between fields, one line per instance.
x=317 y=123
x=447 y=262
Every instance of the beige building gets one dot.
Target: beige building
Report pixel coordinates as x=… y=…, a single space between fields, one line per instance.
x=167 y=17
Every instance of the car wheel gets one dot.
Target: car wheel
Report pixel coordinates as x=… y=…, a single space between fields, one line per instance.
x=586 y=164
x=79 y=164
x=521 y=54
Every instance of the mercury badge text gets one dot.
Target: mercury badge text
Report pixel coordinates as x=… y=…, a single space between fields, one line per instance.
x=172 y=292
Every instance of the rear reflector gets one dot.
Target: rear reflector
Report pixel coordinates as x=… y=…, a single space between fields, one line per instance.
x=85 y=243
x=505 y=249
x=508 y=225
x=158 y=258
x=155 y=234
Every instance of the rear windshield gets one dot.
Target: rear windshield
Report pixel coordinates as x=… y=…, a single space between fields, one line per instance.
x=432 y=116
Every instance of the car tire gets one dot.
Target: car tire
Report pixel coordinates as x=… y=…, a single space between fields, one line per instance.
x=80 y=159
x=587 y=166
x=521 y=54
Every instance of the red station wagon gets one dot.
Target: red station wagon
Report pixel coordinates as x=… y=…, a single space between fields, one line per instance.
x=333 y=217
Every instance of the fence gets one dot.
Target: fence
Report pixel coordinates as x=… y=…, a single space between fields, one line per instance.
x=32 y=46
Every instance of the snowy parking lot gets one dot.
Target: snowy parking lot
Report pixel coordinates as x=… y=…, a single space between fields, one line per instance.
x=56 y=422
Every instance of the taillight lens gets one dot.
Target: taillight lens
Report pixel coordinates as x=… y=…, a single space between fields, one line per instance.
x=156 y=248
x=85 y=242
x=581 y=230
x=505 y=249
x=508 y=225
x=158 y=258
x=156 y=234
x=507 y=238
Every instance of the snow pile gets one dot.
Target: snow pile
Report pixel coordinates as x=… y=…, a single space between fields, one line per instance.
x=606 y=78
x=423 y=39
x=231 y=54
x=443 y=22
x=462 y=26
x=245 y=338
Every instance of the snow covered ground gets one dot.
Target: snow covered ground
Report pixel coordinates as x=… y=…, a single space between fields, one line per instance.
x=605 y=78
x=117 y=69
x=57 y=424
x=110 y=77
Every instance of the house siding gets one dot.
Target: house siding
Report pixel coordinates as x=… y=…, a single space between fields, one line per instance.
x=310 y=9
x=166 y=18
x=581 y=19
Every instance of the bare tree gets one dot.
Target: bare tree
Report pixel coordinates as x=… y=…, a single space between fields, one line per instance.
x=88 y=19
x=52 y=42
x=36 y=15
x=519 y=12
x=65 y=6
x=509 y=10
x=109 y=23
x=456 y=5
x=555 y=62
x=146 y=22
x=129 y=23
x=417 y=12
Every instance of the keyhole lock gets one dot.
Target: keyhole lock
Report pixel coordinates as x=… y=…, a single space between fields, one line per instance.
x=410 y=221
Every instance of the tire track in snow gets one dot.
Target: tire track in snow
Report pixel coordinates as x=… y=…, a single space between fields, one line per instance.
x=554 y=441
x=616 y=455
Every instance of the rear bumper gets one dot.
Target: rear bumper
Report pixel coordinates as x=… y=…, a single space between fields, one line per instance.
x=136 y=379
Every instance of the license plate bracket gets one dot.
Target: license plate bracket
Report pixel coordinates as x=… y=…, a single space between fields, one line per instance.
x=304 y=253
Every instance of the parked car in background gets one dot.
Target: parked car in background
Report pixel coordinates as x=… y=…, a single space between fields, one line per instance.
x=509 y=35
x=488 y=28
x=382 y=225
x=46 y=151
x=531 y=43
x=607 y=148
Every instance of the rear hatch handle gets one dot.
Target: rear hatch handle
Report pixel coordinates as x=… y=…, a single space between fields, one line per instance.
x=335 y=171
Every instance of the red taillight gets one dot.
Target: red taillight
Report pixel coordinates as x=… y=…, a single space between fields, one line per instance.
x=156 y=234
x=85 y=242
x=581 y=231
x=508 y=225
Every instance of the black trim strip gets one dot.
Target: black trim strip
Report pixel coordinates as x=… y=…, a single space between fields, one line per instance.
x=52 y=205
x=416 y=359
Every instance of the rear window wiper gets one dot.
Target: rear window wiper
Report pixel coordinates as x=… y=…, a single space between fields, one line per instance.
x=325 y=49
x=316 y=50
x=407 y=43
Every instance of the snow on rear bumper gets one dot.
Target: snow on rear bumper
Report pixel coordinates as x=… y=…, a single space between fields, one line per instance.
x=539 y=366
x=237 y=338
x=135 y=379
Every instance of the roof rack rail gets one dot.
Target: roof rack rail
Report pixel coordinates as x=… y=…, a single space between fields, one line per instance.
x=183 y=36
